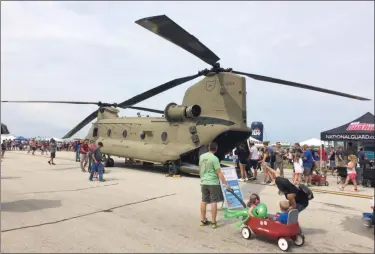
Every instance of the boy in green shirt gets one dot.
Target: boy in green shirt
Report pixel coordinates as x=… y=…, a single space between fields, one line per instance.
x=210 y=174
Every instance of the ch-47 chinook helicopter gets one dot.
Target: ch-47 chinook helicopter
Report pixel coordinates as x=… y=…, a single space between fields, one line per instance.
x=214 y=109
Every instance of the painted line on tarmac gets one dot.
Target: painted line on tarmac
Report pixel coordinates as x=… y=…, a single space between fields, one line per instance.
x=87 y=214
x=356 y=195
x=339 y=193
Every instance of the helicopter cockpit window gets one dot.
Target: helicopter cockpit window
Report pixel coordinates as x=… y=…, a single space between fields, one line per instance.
x=164 y=136
x=95 y=132
x=142 y=135
x=109 y=133
x=124 y=134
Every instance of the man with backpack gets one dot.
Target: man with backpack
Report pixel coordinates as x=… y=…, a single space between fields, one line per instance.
x=298 y=197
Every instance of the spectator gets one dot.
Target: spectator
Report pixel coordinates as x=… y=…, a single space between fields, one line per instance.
x=3 y=148
x=92 y=148
x=331 y=157
x=235 y=156
x=307 y=164
x=296 y=150
x=362 y=158
x=350 y=150
x=84 y=150
x=322 y=165
x=254 y=159
x=210 y=174
x=339 y=158
x=97 y=165
x=77 y=146
x=279 y=158
x=53 y=151
x=243 y=157
x=266 y=163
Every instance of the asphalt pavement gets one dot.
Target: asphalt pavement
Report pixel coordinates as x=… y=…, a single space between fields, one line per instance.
x=48 y=208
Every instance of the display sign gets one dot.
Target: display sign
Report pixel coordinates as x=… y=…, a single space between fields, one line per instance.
x=358 y=126
x=257 y=130
x=370 y=155
x=231 y=177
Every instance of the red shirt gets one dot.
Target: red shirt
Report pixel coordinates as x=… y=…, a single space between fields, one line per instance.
x=92 y=147
x=322 y=152
x=84 y=148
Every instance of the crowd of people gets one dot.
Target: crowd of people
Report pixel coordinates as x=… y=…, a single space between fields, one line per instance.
x=303 y=159
x=89 y=155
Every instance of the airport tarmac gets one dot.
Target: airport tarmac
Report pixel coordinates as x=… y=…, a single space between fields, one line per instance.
x=56 y=209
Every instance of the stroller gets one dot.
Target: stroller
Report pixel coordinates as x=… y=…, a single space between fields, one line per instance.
x=368 y=175
x=342 y=173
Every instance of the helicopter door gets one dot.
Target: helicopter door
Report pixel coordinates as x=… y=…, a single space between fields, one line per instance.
x=95 y=132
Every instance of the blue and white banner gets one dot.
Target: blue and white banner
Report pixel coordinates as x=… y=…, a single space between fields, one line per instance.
x=231 y=177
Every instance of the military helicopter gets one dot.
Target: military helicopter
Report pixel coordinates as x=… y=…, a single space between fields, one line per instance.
x=213 y=109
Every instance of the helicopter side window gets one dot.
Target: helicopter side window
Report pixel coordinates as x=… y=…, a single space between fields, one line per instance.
x=164 y=136
x=142 y=135
x=109 y=132
x=95 y=132
x=124 y=134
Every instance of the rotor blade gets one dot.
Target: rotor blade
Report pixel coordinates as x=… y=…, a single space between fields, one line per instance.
x=82 y=124
x=169 y=30
x=156 y=90
x=64 y=102
x=148 y=109
x=299 y=85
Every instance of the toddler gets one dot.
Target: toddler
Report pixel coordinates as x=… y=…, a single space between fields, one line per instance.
x=282 y=217
x=253 y=202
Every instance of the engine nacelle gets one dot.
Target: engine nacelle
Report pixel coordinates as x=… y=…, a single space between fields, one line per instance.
x=177 y=113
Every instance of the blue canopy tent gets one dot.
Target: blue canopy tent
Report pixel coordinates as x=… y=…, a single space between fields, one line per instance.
x=20 y=138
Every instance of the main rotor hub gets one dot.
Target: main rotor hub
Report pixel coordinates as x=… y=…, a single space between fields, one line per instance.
x=215 y=69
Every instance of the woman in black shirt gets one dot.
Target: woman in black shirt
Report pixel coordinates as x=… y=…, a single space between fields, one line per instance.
x=243 y=157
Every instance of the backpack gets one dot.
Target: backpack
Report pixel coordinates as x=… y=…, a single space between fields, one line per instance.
x=307 y=191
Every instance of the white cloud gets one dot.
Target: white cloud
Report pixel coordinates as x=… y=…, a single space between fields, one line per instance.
x=93 y=51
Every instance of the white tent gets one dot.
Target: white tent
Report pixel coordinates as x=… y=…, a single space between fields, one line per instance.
x=6 y=137
x=312 y=142
x=58 y=139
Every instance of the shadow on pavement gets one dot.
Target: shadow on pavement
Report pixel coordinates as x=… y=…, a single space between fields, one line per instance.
x=355 y=225
x=28 y=205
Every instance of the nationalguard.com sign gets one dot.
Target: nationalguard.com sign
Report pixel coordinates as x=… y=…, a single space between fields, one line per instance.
x=349 y=137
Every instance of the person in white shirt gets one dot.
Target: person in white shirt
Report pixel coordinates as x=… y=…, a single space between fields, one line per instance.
x=234 y=156
x=254 y=158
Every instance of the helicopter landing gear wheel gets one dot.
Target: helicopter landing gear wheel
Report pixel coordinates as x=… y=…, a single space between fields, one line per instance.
x=246 y=233
x=110 y=163
x=283 y=244
x=173 y=170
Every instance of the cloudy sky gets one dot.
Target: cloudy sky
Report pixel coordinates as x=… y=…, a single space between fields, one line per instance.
x=93 y=51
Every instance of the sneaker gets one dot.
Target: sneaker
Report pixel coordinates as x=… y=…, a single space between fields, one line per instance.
x=241 y=180
x=213 y=225
x=246 y=179
x=102 y=180
x=205 y=223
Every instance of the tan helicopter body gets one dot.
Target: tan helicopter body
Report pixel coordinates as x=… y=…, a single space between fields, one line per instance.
x=217 y=113
x=214 y=109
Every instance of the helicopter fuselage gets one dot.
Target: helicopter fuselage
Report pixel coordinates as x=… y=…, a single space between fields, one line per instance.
x=214 y=109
